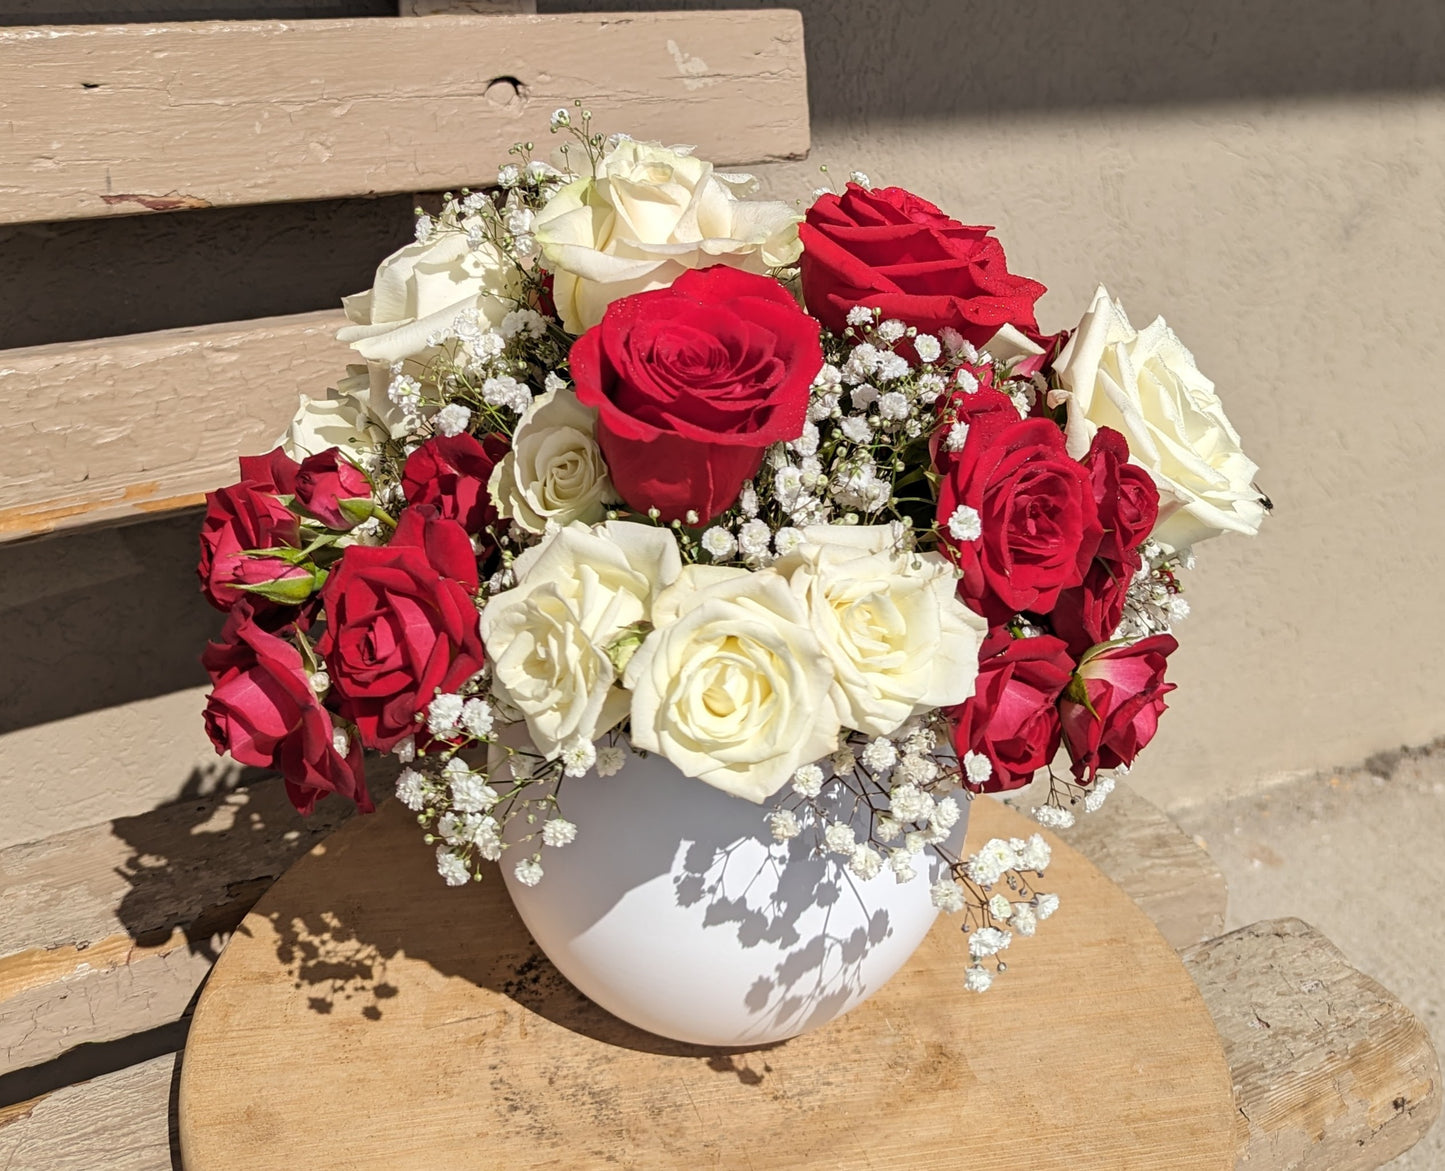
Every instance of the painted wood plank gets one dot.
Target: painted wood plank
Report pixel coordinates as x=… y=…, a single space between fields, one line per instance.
x=478 y=7
x=122 y=119
x=358 y=959
x=109 y=930
x=120 y=1122
x=1331 y=1072
x=125 y=427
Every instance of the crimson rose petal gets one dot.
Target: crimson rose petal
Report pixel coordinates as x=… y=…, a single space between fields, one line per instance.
x=692 y=383
x=888 y=249
x=1111 y=709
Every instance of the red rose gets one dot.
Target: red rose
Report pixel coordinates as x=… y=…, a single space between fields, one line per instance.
x=1034 y=506
x=401 y=625
x=1127 y=498
x=1012 y=717
x=239 y=518
x=324 y=480
x=890 y=250
x=1089 y=613
x=450 y=473
x=263 y=712
x=692 y=383
x=1124 y=688
x=274 y=472
x=1128 y=504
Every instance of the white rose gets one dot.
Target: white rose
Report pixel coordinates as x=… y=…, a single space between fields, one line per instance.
x=889 y=620
x=732 y=686
x=1008 y=347
x=419 y=291
x=342 y=419
x=555 y=470
x=548 y=637
x=1144 y=384
x=647 y=216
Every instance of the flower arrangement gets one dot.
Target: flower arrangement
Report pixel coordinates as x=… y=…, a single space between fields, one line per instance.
x=800 y=501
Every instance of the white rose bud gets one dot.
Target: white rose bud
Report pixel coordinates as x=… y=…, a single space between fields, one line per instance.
x=554 y=470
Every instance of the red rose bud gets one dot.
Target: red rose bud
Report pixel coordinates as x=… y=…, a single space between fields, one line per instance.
x=692 y=383
x=401 y=625
x=1111 y=708
x=450 y=473
x=1012 y=717
x=263 y=711
x=1128 y=505
x=238 y=519
x=890 y=250
x=278 y=578
x=333 y=490
x=1127 y=498
x=1089 y=614
x=1031 y=507
x=273 y=472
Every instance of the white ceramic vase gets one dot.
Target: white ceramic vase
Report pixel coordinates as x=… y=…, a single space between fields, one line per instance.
x=675 y=910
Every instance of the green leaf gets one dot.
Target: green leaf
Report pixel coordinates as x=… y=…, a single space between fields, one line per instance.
x=621 y=649
x=1078 y=692
x=290 y=591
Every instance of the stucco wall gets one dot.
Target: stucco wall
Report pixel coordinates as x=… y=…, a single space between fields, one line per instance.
x=1270 y=176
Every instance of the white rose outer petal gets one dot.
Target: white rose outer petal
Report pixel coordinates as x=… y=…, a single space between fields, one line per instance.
x=1145 y=384
x=647 y=215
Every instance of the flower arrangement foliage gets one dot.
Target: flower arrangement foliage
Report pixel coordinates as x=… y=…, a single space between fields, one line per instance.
x=644 y=463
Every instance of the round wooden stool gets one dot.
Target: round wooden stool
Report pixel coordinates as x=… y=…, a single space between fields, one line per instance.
x=365 y=1015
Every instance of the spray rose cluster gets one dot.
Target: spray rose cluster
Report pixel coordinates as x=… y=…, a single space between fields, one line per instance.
x=804 y=501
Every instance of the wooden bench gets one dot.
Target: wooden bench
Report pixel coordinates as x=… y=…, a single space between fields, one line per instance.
x=144 y=119
x=108 y=931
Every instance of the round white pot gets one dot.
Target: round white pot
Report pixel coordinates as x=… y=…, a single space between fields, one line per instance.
x=675 y=910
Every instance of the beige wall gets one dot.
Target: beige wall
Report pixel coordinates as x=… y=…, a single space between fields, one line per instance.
x=1298 y=247
x=1294 y=235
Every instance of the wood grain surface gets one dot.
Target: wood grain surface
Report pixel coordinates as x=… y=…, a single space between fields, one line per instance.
x=1331 y=1071
x=124 y=119
x=364 y=1015
x=124 y=427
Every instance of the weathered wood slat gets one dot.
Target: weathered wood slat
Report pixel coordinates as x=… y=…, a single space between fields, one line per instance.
x=109 y=931
x=479 y=7
x=120 y=1122
x=106 y=120
x=1164 y=870
x=124 y=427
x=1331 y=1072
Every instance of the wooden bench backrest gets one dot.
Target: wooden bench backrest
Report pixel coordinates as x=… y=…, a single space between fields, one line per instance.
x=142 y=119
